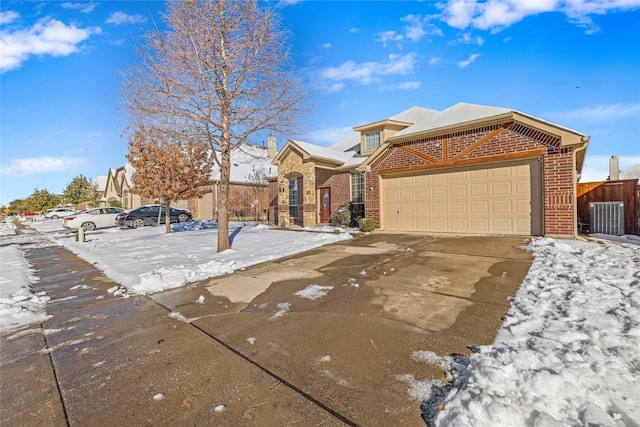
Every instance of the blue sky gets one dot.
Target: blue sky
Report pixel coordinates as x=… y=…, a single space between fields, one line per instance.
x=574 y=63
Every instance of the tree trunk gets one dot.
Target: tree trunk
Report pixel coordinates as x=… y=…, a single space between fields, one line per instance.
x=167 y=216
x=225 y=175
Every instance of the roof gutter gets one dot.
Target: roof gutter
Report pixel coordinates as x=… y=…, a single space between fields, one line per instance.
x=579 y=164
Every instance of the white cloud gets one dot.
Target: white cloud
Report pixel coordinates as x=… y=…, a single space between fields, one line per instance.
x=418 y=27
x=469 y=61
x=121 y=18
x=468 y=38
x=283 y=3
x=365 y=73
x=388 y=36
x=46 y=37
x=604 y=112
x=355 y=30
x=84 y=7
x=38 y=165
x=403 y=86
x=8 y=17
x=495 y=15
x=327 y=46
x=435 y=60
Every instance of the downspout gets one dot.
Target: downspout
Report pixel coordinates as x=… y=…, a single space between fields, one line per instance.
x=585 y=144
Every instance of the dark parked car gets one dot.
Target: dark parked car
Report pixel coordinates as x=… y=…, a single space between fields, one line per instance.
x=148 y=215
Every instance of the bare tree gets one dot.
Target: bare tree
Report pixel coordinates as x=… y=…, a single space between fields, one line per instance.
x=221 y=73
x=166 y=170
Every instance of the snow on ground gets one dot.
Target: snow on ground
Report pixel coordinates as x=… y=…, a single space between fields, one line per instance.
x=566 y=355
x=147 y=260
x=19 y=306
x=8 y=227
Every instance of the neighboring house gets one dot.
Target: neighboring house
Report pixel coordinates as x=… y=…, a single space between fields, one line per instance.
x=248 y=187
x=632 y=172
x=467 y=169
x=119 y=186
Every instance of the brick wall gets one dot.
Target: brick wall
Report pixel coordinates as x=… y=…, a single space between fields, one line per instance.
x=340 y=184
x=516 y=138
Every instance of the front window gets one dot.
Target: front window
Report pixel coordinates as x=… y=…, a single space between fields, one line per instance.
x=293 y=198
x=371 y=141
x=357 y=187
x=357 y=195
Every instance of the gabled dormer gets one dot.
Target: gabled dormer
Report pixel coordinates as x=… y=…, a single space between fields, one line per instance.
x=373 y=135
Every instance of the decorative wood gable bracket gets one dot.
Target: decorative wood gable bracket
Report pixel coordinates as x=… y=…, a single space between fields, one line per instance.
x=459 y=159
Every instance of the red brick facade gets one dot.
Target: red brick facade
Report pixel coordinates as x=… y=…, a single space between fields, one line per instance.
x=500 y=142
x=340 y=184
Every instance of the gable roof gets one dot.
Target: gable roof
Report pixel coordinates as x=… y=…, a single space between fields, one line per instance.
x=466 y=115
x=631 y=172
x=343 y=154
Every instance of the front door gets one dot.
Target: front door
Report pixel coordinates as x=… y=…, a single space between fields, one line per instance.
x=325 y=205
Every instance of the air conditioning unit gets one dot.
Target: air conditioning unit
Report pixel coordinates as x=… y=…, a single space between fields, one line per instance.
x=606 y=218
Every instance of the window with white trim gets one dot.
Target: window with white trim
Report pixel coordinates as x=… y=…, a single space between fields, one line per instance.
x=357 y=195
x=371 y=140
x=293 y=198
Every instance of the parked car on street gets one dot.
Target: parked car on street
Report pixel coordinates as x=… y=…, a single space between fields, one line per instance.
x=58 y=213
x=148 y=215
x=29 y=214
x=91 y=219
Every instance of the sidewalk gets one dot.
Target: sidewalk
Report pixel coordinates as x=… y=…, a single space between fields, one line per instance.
x=104 y=360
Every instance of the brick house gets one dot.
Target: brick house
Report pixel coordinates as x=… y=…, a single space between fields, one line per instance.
x=467 y=169
x=248 y=187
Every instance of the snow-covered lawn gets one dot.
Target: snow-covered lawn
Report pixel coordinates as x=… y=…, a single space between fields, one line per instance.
x=19 y=306
x=568 y=353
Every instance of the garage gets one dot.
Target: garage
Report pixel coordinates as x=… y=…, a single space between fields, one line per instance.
x=499 y=198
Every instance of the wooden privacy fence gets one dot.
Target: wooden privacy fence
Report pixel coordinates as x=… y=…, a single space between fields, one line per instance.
x=626 y=191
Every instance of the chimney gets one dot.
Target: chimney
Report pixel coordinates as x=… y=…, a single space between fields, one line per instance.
x=614 y=168
x=271 y=146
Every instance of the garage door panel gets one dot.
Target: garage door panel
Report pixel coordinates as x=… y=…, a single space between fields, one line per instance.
x=499 y=198
x=458 y=208
x=459 y=225
x=439 y=208
x=501 y=226
x=522 y=207
x=479 y=189
x=458 y=190
x=479 y=225
x=478 y=207
x=501 y=207
x=439 y=192
x=501 y=188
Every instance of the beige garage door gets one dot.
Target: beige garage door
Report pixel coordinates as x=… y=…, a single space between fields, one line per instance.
x=489 y=199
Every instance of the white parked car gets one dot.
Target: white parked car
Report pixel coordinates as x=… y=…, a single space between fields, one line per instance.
x=91 y=219
x=58 y=213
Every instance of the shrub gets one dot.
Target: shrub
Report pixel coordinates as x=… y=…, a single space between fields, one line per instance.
x=367 y=225
x=342 y=217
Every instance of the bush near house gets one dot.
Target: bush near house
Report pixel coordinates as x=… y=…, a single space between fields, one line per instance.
x=342 y=217
x=367 y=225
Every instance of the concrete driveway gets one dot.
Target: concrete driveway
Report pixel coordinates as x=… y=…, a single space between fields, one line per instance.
x=260 y=343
